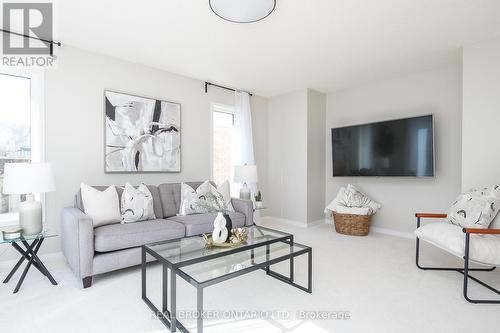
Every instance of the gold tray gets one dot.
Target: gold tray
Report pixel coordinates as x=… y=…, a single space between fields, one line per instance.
x=209 y=242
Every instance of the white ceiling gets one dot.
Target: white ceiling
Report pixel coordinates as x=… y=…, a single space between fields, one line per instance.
x=321 y=44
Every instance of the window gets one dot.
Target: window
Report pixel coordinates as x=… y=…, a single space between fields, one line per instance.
x=20 y=129
x=222 y=143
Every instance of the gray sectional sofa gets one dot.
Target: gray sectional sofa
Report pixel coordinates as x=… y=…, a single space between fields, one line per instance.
x=91 y=251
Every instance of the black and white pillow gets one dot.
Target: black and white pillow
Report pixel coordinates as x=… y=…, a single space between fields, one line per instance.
x=475 y=208
x=136 y=204
x=190 y=197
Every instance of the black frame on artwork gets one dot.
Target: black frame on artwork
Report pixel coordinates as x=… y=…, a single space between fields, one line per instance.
x=104 y=132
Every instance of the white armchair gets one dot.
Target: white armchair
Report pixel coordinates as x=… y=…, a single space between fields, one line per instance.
x=480 y=246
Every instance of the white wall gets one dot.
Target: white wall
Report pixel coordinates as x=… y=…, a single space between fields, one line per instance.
x=287 y=156
x=481 y=114
x=316 y=113
x=296 y=156
x=259 y=125
x=437 y=92
x=75 y=125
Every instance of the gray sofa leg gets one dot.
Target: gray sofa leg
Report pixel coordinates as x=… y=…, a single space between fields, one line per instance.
x=87 y=282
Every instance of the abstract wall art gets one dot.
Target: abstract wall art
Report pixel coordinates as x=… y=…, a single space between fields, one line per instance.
x=141 y=134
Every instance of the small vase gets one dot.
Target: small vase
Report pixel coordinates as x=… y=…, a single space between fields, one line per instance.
x=219 y=235
x=229 y=227
x=258 y=204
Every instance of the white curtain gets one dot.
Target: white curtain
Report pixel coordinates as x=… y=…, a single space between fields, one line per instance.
x=243 y=138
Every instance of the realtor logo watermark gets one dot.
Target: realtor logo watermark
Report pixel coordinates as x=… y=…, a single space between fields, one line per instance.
x=29 y=19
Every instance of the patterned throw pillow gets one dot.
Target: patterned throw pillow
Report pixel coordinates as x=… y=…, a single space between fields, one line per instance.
x=225 y=191
x=475 y=208
x=350 y=196
x=189 y=198
x=137 y=204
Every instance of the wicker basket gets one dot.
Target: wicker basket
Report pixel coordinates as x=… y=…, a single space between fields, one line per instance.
x=350 y=224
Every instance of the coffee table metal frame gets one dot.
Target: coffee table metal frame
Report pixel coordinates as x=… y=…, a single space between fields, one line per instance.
x=168 y=317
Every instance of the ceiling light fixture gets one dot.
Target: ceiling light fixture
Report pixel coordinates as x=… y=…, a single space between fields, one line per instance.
x=242 y=11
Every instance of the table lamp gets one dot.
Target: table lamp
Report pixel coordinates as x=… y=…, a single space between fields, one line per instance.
x=29 y=178
x=245 y=174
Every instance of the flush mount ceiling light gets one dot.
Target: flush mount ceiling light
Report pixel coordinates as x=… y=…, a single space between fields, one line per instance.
x=242 y=11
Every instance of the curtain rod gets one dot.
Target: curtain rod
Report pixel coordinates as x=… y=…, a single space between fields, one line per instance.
x=51 y=42
x=222 y=87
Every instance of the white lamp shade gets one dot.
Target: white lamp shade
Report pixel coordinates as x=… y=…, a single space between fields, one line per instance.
x=245 y=174
x=24 y=178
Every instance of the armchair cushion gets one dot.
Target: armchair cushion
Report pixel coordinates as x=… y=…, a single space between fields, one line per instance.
x=484 y=249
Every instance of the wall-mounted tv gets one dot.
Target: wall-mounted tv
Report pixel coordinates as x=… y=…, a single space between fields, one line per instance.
x=402 y=147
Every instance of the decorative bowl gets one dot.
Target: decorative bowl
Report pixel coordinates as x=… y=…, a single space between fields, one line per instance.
x=238 y=237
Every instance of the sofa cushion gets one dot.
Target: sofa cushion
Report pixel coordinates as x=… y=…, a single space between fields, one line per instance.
x=197 y=224
x=483 y=249
x=157 y=205
x=170 y=195
x=122 y=236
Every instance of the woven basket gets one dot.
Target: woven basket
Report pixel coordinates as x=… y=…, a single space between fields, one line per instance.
x=353 y=225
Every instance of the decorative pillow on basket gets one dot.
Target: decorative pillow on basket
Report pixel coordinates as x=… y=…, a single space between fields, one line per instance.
x=137 y=204
x=475 y=208
x=102 y=206
x=350 y=197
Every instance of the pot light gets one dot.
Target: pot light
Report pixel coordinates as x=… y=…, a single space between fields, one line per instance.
x=242 y=11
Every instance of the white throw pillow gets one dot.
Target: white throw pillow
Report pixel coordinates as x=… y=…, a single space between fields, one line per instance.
x=475 y=208
x=137 y=204
x=103 y=207
x=353 y=210
x=356 y=198
x=225 y=191
x=189 y=198
x=351 y=197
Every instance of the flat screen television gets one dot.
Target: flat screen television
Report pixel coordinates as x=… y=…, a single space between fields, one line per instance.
x=402 y=147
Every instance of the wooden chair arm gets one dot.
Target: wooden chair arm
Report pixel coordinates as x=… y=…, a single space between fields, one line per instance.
x=431 y=215
x=481 y=231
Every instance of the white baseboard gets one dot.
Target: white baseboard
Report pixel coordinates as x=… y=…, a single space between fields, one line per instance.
x=292 y=222
x=315 y=223
x=286 y=221
x=384 y=231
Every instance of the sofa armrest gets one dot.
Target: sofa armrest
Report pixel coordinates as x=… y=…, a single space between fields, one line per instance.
x=77 y=237
x=245 y=207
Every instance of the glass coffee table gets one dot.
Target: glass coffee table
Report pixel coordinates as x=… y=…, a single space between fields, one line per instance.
x=29 y=253
x=202 y=266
